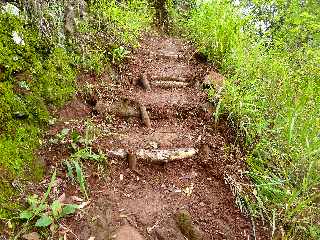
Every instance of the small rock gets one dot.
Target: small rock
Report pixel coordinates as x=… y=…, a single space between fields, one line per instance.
x=153 y=145
x=168 y=234
x=31 y=236
x=127 y=232
x=188 y=229
x=213 y=79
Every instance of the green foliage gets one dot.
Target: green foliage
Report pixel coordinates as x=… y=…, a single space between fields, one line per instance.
x=41 y=213
x=111 y=31
x=272 y=97
x=80 y=145
x=38 y=64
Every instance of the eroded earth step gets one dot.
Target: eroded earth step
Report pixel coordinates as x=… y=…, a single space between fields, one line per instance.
x=160 y=47
x=162 y=69
x=159 y=103
x=166 y=133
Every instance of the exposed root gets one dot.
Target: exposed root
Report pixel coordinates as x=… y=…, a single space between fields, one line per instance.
x=145 y=116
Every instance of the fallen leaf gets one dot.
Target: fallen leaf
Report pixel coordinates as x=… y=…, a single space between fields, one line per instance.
x=9 y=224
x=62 y=198
x=43 y=221
x=188 y=190
x=82 y=205
x=91 y=238
x=31 y=236
x=76 y=199
x=121 y=177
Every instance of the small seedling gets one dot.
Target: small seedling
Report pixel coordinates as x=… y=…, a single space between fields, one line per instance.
x=41 y=213
x=118 y=54
x=60 y=137
x=74 y=170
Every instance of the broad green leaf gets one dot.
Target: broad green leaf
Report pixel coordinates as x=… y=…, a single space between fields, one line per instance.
x=80 y=177
x=53 y=179
x=69 y=209
x=75 y=136
x=69 y=170
x=26 y=215
x=44 y=221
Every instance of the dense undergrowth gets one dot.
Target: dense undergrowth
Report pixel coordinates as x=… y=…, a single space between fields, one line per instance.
x=43 y=46
x=270 y=53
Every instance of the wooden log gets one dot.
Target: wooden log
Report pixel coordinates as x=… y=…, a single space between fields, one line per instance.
x=169 y=78
x=170 y=84
x=118 y=153
x=155 y=155
x=166 y=155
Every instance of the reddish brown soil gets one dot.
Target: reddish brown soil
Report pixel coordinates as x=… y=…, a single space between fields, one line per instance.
x=149 y=197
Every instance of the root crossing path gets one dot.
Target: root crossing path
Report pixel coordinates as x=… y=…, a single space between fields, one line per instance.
x=172 y=173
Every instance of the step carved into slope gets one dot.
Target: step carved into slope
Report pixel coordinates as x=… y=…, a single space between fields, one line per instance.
x=159 y=103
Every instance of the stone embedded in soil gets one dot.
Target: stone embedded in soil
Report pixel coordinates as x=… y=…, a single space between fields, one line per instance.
x=127 y=232
x=122 y=108
x=213 y=79
x=189 y=230
x=31 y=236
x=167 y=233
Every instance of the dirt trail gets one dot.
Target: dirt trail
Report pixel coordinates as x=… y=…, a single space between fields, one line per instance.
x=182 y=157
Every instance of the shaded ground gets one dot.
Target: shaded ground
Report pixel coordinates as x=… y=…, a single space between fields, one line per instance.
x=150 y=196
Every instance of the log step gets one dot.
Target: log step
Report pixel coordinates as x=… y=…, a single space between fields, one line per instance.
x=156 y=155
